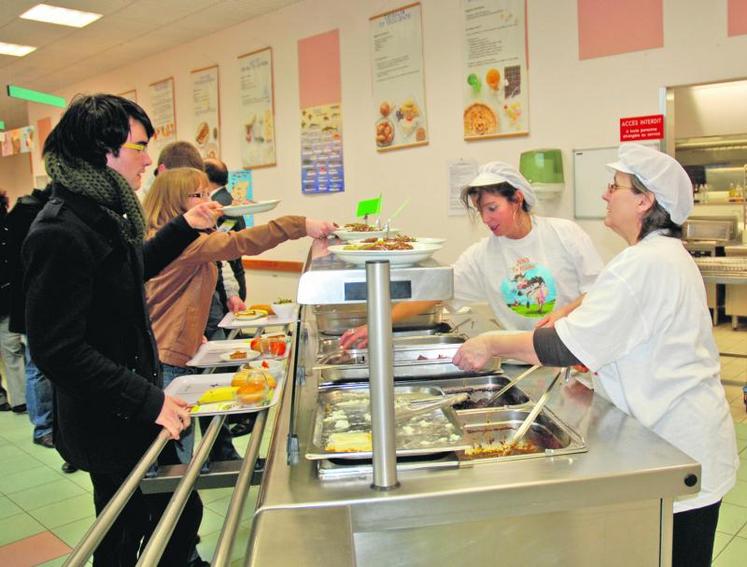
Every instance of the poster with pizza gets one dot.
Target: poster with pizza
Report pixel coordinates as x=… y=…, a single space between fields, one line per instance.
x=398 y=79
x=496 y=101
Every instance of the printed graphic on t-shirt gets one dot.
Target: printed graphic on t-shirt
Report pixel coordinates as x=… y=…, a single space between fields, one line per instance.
x=531 y=290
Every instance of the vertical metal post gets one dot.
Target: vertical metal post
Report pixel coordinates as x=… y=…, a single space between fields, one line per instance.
x=381 y=377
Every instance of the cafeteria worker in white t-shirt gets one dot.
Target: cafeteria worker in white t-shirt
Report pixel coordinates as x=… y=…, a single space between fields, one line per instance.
x=644 y=329
x=528 y=267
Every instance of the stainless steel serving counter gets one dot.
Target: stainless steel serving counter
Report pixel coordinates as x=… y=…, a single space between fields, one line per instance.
x=611 y=505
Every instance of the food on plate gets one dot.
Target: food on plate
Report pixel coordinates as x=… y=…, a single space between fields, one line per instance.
x=395 y=238
x=384 y=133
x=385 y=109
x=203 y=133
x=479 y=120
x=249 y=314
x=360 y=227
x=251 y=393
x=282 y=300
x=380 y=244
x=263 y=307
x=493 y=79
x=269 y=345
x=218 y=394
x=238 y=354
x=349 y=442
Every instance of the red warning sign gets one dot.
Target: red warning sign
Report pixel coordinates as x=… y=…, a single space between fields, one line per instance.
x=642 y=128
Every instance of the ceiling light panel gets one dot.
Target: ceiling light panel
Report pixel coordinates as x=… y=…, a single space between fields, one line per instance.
x=60 y=16
x=15 y=49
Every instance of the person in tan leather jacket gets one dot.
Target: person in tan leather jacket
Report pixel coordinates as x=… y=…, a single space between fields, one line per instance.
x=179 y=297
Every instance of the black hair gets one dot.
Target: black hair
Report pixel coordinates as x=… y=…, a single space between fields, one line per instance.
x=504 y=189
x=656 y=218
x=217 y=171
x=94 y=126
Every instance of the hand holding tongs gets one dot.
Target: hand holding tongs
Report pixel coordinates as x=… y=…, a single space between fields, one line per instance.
x=529 y=419
x=510 y=385
x=446 y=401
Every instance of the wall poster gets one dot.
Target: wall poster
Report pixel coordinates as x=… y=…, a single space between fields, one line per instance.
x=396 y=40
x=496 y=101
x=257 y=112
x=162 y=115
x=321 y=117
x=17 y=141
x=205 y=129
x=242 y=190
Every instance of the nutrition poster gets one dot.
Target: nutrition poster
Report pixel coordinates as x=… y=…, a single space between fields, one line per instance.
x=205 y=130
x=256 y=112
x=321 y=116
x=494 y=81
x=162 y=115
x=397 y=77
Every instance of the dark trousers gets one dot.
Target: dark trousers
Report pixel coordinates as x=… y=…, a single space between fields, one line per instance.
x=694 y=532
x=132 y=529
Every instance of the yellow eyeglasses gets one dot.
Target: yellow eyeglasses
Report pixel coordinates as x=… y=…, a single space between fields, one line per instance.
x=136 y=147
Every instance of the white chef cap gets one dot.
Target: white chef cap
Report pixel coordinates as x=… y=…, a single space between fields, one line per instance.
x=496 y=172
x=661 y=174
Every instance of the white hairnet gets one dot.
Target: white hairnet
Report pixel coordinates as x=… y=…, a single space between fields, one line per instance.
x=661 y=174
x=496 y=172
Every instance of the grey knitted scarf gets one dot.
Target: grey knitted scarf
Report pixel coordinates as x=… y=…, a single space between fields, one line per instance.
x=104 y=186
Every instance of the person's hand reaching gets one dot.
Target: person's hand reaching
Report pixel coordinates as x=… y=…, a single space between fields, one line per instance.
x=204 y=215
x=174 y=416
x=319 y=229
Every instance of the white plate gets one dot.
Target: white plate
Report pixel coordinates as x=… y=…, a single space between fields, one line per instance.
x=231 y=322
x=257 y=314
x=253 y=208
x=343 y=234
x=419 y=253
x=250 y=355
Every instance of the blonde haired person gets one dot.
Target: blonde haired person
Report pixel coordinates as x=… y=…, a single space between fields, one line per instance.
x=179 y=297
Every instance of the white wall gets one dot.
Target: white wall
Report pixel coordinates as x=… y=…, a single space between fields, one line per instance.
x=711 y=110
x=573 y=104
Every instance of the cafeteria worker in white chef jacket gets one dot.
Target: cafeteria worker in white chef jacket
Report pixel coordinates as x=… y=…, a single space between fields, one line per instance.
x=644 y=329
x=528 y=266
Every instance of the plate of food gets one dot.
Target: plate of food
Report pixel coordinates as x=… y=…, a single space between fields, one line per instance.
x=401 y=254
x=240 y=355
x=250 y=314
x=399 y=238
x=250 y=208
x=359 y=230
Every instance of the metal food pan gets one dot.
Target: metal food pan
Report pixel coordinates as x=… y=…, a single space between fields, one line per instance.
x=333 y=399
x=411 y=370
x=436 y=347
x=548 y=434
x=479 y=395
x=336 y=319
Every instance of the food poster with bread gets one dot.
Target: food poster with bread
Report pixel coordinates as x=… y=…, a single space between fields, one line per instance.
x=494 y=82
x=256 y=109
x=242 y=192
x=205 y=130
x=398 y=79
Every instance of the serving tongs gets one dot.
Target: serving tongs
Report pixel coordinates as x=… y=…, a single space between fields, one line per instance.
x=417 y=407
x=510 y=385
x=529 y=419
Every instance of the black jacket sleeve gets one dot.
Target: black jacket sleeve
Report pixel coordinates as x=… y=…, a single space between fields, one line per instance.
x=166 y=245
x=59 y=276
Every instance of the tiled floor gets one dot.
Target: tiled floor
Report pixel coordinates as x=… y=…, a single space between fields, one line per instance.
x=44 y=512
